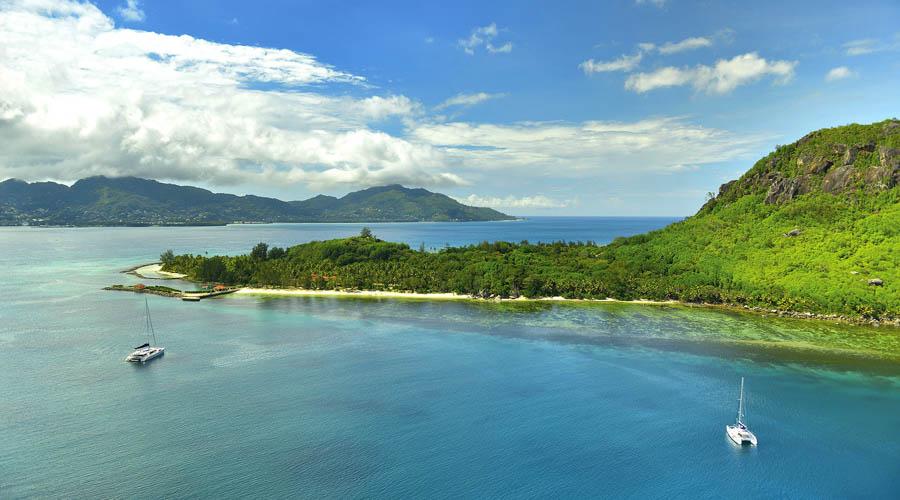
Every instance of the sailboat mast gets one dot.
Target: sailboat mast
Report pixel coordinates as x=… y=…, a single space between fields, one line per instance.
x=740 y=417
x=149 y=320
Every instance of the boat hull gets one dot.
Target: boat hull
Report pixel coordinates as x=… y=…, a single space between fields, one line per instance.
x=741 y=437
x=145 y=355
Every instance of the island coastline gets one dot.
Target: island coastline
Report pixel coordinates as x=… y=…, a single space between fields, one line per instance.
x=385 y=294
x=146 y=271
x=438 y=296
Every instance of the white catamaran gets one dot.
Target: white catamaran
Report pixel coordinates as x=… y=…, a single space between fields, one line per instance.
x=739 y=433
x=146 y=352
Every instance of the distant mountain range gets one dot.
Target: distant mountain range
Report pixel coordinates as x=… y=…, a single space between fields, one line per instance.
x=132 y=201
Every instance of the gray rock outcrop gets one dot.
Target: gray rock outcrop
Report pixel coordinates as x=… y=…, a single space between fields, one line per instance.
x=783 y=190
x=889 y=157
x=814 y=165
x=838 y=179
x=881 y=178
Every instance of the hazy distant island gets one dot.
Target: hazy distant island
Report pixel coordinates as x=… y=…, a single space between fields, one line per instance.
x=812 y=228
x=132 y=201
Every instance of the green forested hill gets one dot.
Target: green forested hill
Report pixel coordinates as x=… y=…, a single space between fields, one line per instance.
x=123 y=201
x=806 y=228
x=812 y=227
x=394 y=203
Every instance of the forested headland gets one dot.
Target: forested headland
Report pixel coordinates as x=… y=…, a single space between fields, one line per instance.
x=814 y=227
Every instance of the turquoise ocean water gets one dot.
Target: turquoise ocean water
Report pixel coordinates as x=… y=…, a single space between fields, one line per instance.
x=351 y=398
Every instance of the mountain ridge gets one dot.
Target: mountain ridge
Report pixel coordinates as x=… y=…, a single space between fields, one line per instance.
x=134 y=201
x=813 y=227
x=832 y=160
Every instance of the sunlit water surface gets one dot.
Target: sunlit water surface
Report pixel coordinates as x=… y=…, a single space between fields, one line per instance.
x=325 y=397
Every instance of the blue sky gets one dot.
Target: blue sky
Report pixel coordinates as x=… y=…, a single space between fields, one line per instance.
x=589 y=108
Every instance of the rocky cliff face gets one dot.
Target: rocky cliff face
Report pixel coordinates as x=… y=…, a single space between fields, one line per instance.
x=858 y=158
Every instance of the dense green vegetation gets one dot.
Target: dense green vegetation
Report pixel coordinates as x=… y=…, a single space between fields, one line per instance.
x=131 y=201
x=805 y=229
x=165 y=291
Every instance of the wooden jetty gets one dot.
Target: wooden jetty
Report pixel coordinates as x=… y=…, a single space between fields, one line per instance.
x=198 y=296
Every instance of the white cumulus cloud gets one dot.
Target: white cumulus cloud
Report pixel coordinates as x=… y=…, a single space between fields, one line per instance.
x=623 y=63
x=379 y=108
x=131 y=11
x=584 y=150
x=686 y=44
x=484 y=36
x=871 y=45
x=536 y=201
x=467 y=100
x=79 y=97
x=839 y=73
x=861 y=47
x=722 y=78
x=627 y=64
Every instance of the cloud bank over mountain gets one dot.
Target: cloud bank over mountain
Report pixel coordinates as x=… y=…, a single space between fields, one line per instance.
x=80 y=96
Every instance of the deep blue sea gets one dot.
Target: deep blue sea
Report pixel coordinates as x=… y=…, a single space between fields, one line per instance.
x=372 y=398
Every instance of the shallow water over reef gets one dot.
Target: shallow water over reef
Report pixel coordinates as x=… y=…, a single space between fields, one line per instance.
x=328 y=397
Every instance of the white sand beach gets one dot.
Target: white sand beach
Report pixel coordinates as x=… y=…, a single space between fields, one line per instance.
x=154 y=271
x=299 y=292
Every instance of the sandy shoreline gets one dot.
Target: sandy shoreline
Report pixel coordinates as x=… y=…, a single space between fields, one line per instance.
x=299 y=292
x=153 y=271
x=378 y=294
x=148 y=271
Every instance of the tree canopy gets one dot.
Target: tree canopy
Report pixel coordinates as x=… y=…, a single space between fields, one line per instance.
x=809 y=228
